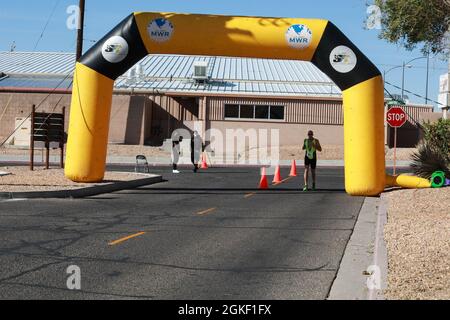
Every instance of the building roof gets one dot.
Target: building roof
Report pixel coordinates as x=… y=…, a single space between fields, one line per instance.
x=173 y=73
x=37 y=63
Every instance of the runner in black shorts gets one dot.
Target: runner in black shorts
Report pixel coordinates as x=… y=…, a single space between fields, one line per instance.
x=311 y=146
x=311 y=162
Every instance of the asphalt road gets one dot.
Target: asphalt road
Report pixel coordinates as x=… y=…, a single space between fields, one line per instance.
x=210 y=235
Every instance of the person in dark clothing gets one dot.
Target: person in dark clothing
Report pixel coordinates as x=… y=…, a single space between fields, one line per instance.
x=196 y=149
x=311 y=146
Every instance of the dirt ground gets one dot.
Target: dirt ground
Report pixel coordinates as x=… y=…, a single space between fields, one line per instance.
x=418 y=243
x=113 y=150
x=330 y=152
x=336 y=152
x=132 y=151
x=22 y=179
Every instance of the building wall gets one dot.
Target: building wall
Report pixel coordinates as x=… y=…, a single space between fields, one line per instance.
x=13 y=105
x=135 y=119
x=150 y=119
x=324 y=117
x=169 y=114
x=312 y=111
x=121 y=127
x=290 y=133
x=409 y=135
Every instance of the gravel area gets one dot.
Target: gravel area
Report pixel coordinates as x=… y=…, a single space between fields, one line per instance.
x=330 y=152
x=132 y=151
x=336 y=152
x=402 y=153
x=24 y=180
x=25 y=151
x=113 y=150
x=418 y=243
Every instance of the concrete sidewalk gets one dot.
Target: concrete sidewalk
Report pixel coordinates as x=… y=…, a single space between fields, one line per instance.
x=83 y=192
x=362 y=273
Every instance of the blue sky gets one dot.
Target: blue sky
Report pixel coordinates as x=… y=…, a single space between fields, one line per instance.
x=22 y=21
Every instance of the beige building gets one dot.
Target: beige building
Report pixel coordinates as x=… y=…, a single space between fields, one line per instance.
x=164 y=92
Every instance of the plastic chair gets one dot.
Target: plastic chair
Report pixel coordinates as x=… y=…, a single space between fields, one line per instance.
x=141 y=161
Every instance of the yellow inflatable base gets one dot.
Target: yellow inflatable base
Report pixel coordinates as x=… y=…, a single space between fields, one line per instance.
x=408 y=182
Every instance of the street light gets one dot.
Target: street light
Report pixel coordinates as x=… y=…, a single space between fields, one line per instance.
x=407 y=65
x=385 y=72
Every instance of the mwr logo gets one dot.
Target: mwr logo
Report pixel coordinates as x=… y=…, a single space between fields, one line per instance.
x=299 y=36
x=115 y=49
x=343 y=59
x=160 y=30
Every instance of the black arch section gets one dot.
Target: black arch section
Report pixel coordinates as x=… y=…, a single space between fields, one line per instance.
x=128 y=30
x=332 y=38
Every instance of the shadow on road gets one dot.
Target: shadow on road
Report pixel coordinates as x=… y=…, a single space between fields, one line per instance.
x=243 y=191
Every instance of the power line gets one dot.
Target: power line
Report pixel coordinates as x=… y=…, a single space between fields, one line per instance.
x=39 y=105
x=415 y=67
x=410 y=117
x=54 y=89
x=46 y=24
x=414 y=94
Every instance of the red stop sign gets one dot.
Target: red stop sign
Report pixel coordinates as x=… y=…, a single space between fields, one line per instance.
x=396 y=117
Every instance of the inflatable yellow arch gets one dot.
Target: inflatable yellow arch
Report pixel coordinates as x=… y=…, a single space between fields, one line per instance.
x=318 y=41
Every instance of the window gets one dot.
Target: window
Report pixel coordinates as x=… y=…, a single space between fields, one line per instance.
x=254 y=112
x=261 y=112
x=232 y=111
x=277 y=112
x=247 y=112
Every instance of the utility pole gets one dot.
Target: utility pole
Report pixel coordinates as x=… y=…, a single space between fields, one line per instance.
x=428 y=77
x=403 y=82
x=446 y=109
x=80 y=30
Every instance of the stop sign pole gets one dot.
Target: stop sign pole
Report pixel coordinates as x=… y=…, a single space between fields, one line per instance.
x=395 y=150
x=396 y=118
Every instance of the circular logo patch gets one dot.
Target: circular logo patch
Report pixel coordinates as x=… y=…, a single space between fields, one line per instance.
x=299 y=36
x=160 y=30
x=343 y=59
x=115 y=49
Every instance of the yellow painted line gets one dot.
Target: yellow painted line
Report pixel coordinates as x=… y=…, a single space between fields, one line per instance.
x=126 y=238
x=249 y=195
x=205 y=212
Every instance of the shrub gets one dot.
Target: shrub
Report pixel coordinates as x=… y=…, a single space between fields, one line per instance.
x=427 y=160
x=433 y=152
x=437 y=135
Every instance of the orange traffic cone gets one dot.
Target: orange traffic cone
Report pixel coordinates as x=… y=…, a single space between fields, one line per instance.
x=204 y=164
x=293 y=169
x=264 y=184
x=277 y=178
